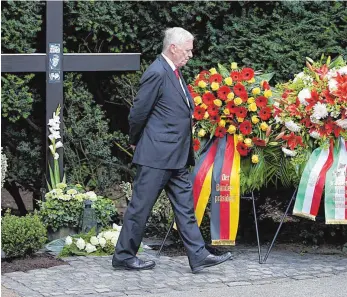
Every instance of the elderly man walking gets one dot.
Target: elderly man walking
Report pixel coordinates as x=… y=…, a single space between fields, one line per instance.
x=161 y=135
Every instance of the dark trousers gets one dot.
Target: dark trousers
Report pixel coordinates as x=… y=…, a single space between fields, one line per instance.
x=148 y=184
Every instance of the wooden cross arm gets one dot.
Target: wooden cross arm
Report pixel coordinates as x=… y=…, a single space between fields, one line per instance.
x=23 y=62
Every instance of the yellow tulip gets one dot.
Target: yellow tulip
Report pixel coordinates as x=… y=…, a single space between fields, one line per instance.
x=233 y=65
x=250 y=100
x=203 y=105
x=201 y=133
x=221 y=123
x=240 y=120
x=251 y=81
x=255 y=159
x=202 y=84
x=231 y=129
x=238 y=101
x=255 y=120
x=226 y=111
x=217 y=102
x=215 y=86
x=228 y=81
x=252 y=107
x=264 y=126
x=248 y=142
x=206 y=115
x=268 y=93
x=213 y=71
x=197 y=100
x=256 y=91
x=231 y=96
x=240 y=137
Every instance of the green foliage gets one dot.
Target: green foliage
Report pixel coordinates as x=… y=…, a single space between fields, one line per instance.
x=20 y=23
x=22 y=236
x=16 y=98
x=88 y=141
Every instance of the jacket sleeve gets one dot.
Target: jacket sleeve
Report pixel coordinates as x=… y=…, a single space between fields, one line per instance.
x=146 y=98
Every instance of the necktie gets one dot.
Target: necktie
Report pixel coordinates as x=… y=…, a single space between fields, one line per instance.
x=176 y=73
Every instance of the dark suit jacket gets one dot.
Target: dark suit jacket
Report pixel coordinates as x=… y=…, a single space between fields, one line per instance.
x=161 y=121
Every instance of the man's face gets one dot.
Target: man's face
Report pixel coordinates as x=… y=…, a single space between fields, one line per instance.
x=182 y=53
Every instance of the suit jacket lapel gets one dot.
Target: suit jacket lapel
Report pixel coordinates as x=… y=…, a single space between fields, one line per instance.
x=174 y=79
x=191 y=102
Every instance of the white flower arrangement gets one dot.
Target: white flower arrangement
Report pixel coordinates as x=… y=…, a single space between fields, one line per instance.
x=92 y=244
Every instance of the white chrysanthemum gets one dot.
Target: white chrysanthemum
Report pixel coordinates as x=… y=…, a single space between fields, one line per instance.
x=320 y=111
x=315 y=135
x=342 y=123
x=342 y=70
x=102 y=241
x=94 y=240
x=91 y=196
x=292 y=126
x=288 y=152
x=332 y=83
x=90 y=248
x=80 y=243
x=68 y=240
x=303 y=95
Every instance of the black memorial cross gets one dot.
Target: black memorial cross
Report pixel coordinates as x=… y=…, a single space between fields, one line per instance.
x=54 y=63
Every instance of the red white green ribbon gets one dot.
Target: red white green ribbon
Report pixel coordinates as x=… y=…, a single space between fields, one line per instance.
x=336 y=187
x=312 y=183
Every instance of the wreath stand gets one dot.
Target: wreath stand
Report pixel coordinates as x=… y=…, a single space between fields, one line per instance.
x=261 y=261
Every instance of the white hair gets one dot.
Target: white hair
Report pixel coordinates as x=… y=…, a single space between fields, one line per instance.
x=176 y=35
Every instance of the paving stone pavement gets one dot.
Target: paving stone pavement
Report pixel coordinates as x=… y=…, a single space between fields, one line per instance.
x=94 y=276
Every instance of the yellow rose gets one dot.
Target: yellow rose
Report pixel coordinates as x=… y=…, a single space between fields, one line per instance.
x=202 y=84
x=231 y=96
x=240 y=137
x=231 y=129
x=221 y=123
x=263 y=126
x=256 y=91
x=237 y=101
x=251 y=81
x=255 y=159
x=228 y=81
x=252 y=107
x=248 y=142
x=250 y=100
x=203 y=105
x=201 y=133
x=268 y=93
x=215 y=86
x=240 y=120
x=226 y=111
x=233 y=65
x=217 y=102
x=255 y=120
x=206 y=115
x=197 y=100
x=213 y=71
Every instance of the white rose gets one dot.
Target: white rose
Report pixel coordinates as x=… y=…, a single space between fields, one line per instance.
x=102 y=241
x=68 y=240
x=94 y=240
x=115 y=239
x=90 y=248
x=108 y=235
x=80 y=243
x=91 y=196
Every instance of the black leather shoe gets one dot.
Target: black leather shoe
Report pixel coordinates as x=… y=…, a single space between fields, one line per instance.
x=132 y=264
x=211 y=260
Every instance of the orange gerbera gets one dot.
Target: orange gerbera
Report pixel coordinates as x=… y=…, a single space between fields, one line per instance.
x=208 y=98
x=199 y=113
x=196 y=144
x=265 y=113
x=242 y=149
x=220 y=132
x=239 y=88
x=261 y=101
x=235 y=75
x=240 y=112
x=213 y=110
x=246 y=127
x=216 y=78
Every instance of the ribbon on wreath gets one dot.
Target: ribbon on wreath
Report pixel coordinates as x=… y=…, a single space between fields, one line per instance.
x=326 y=167
x=217 y=175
